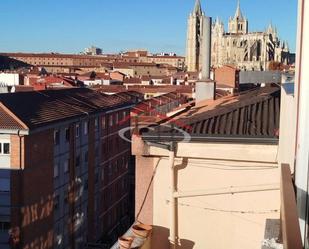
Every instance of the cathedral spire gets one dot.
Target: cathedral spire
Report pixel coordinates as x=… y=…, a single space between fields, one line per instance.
x=198 y=8
x=238 y=14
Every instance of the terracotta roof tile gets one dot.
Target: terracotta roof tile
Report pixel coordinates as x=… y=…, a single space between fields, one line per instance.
x=8 y=121
x=40 y=108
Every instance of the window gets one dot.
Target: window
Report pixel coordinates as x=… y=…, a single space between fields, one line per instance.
x=116 y=118
x=77 y=162
x=56 y=137
x=111 y=121
x=103 y=123
x=96 y=152
x=86 y=127
x=56 y=202
x=97 y=177
x=115 y=167
x=66 y=166
x=66 y=197
x=86 y=185
x=110 y=168
x=4 y=148
x=67 y=135
x=4 y=226
x=86 y=157
x=5 y=185
x=102 y=175
x=56 y=170
x=77 y=130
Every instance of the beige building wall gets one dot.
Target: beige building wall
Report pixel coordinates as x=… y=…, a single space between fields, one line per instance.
x=214 y=219
x=126 y=71
x=288 y=114
x=191 y=45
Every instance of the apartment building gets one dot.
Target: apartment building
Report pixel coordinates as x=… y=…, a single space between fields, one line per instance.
x=67 y=63
x=175 y=61
x=209 y=177
x=139 y=69
x=67 y=177
x=145 y=57
x=55 y=59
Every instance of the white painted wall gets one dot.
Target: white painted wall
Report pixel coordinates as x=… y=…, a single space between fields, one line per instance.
x=9 y=79
x=212 y=221
x=302 y=80
x=287 y=129
x=5 y=160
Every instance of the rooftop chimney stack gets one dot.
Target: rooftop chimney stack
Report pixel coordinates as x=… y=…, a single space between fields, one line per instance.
x=206 y=48
x=205 y=90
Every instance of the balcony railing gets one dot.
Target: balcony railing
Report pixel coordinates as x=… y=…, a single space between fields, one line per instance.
x=289 y=216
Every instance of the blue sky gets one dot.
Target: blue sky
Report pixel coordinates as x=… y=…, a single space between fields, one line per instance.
x=116 y=25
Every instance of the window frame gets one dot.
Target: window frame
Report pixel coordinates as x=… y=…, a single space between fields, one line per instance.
x=77 y=130
x=67 y=134
x=111 y=120
x=103 y=122
x=56 y=170
x=66 y=166
x=86 y=128
x=56 y=137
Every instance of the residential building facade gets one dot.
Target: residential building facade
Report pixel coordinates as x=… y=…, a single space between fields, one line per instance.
x=66 y=174
x=200 y=177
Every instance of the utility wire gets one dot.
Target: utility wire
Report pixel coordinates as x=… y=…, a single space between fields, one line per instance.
x=230 y=211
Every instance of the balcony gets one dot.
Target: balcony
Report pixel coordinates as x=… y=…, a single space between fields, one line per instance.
x=284 y=233
x=290 y=230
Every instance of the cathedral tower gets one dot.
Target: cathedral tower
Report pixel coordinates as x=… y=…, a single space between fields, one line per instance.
x=238 y=24
x=198 y=41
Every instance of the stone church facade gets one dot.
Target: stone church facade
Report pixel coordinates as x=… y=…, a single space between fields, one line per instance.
x=198 y=40
x=244 y=49
x=239 y=47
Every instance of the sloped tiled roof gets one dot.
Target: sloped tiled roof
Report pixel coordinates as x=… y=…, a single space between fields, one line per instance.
x=40 y=108
x=253 y=113
x=8 y=121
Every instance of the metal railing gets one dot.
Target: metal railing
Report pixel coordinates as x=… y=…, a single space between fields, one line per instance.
x=289 y=216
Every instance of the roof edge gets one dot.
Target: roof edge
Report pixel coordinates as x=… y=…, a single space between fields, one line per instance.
x=8 y=111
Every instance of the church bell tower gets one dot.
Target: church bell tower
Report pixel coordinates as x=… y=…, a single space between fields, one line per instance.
x=199 y=42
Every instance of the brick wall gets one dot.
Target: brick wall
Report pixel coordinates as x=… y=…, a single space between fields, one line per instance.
x=227 y=75
x=91 y=181
x=37 y=191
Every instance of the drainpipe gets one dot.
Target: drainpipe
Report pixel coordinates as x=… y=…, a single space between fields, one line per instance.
x=21 y=182
x=172 y=238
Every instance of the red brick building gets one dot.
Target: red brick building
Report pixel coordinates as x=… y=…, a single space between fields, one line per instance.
x=65 y=173
x=227 y=77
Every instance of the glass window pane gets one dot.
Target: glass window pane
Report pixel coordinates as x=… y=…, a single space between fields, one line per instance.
x=6 y=148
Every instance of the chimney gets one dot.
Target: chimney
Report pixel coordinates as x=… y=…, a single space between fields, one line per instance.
x=206 y=48
x=205 y=90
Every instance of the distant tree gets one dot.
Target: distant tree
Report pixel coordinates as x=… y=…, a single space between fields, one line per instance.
x=273 y=65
